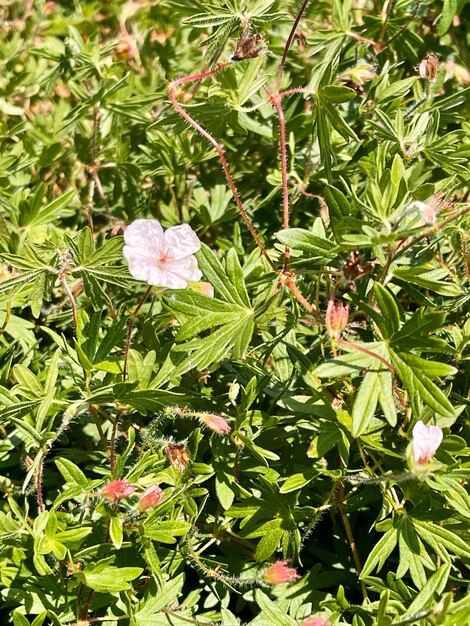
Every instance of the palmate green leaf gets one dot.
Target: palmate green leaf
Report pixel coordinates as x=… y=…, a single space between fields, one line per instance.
x=456 y=495
x=18 y=282
x=166 y=531
x=439 y=537
x=49 y=389
x=389 y=309
x=353 y=362
x=324 y=141
x=229 y=285
x=430 y=278
x=206 y=20
x=230 y=338
x=109 y=252
x=60 y=207
x=271 y=611
x=110 y=579
x=250 y=83
x=365 y=404
x=420 y=324
x=342 y=213
x=306 y=241
x=19 y=409
x=431 y=591
x=416 y=375
x=150 y=607
x=270 y=540
x=72 y=473
x=197 y=312
x=396 y=90
x=380 y=552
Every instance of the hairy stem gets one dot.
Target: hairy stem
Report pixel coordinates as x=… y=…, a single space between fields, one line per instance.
x=39 y=473
x=223 y=160
x=355 y=346
x=275 y=100
x=289 y=41
x=347 y=526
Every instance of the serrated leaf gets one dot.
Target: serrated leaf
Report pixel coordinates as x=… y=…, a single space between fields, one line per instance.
x=380 y=552
x=365 y=404
x=431 y=590
x=389 y=309
x=304 y=240
x=111 y=579
x=272 y=611
x=72 y=473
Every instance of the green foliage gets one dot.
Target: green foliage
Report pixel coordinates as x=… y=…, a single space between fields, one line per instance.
x=350 y=160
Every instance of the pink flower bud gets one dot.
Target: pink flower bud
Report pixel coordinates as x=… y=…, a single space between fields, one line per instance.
x=216 y=422
x=117 y=490
x=336 y=318
x=316 y=620
x=152 y=496
x=426 y=440
x=279 y=573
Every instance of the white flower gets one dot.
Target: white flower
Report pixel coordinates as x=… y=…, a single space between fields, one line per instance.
x=163 y=258
x=426 y=440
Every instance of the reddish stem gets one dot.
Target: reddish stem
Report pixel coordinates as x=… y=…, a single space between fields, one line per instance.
x=194 y=77
x=220 y=152
x=289 y=41
x=275 y=100
x=289 y=92
x=355 y=346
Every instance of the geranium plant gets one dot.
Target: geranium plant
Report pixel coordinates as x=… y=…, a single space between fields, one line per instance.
x=234 y=383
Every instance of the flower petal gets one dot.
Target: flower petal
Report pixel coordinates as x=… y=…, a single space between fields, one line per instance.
x=145 y=235
x=181 y=241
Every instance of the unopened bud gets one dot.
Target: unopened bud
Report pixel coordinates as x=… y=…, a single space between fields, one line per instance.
x=428 y=67
x=117 y=490
x=336 y=318
x=152 y=496
x=215 y=422
x=279 y=573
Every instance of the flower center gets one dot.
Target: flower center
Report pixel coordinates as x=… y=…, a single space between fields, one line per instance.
x=163 y=259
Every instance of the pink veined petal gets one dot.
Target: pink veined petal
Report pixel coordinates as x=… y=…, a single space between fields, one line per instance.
x=181 y=241
x=186 y=268
x=426 y=440
x=164 y=278
x=145 y=235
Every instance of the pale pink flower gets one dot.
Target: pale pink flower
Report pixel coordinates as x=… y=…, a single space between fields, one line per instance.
x=316 y=620
x=336 y=318
x=163 y=258
x=280 y=573
x=216 y=422
x=426 y=440
x=152 y=496
x=117 y=489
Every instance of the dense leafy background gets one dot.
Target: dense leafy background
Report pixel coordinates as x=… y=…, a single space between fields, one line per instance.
x=315 y=468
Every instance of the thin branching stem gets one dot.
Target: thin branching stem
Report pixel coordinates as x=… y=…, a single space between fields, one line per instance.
x=39 y=473
x=275 y=100
x=131 y=328
x=223 y=160
x=347 y=526
x=71 y=297
x=355 y=346
x=289 y=41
